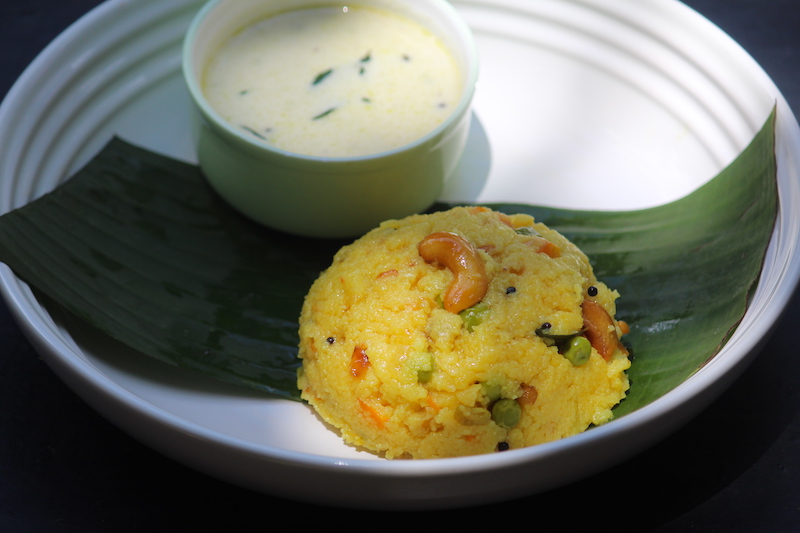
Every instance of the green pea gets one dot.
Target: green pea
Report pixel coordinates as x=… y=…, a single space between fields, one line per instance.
x=506 y=413
x=472 y=316
x=577 y=350
x=425 y=369
x=527 y=230
x=424 y=376
x=424 y=365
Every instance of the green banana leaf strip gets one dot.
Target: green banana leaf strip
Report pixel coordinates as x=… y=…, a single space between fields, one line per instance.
x=137 y=245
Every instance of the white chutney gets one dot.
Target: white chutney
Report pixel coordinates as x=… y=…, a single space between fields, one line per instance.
x=334 y=81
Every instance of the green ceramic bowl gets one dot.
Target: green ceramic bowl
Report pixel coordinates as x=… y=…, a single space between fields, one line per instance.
x=325 y=196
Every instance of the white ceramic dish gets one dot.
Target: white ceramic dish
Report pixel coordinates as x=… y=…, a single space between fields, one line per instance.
x=583 y=104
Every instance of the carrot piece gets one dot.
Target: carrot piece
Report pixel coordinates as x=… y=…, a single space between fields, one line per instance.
x=387 y=273
x=550 y=249
x=373 y=412
x=543 y=246
x=432 y=403
x=359 y=362
x=505 y=219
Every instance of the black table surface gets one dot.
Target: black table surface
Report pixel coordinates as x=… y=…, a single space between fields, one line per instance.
x=735 y=467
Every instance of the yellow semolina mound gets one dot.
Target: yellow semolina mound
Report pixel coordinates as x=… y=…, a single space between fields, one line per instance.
x=458 y=333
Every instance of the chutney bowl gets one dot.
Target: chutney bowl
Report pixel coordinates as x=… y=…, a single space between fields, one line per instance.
x=325 y=196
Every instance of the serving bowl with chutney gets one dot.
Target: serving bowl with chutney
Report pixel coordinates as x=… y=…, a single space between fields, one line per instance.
x=324 y=120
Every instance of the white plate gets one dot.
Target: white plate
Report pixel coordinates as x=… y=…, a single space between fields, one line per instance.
x=585 y=104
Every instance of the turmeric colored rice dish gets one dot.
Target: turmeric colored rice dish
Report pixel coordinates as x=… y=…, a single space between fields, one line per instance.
x=461 y=332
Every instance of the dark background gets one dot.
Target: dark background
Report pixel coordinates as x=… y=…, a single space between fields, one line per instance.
x=736 y=467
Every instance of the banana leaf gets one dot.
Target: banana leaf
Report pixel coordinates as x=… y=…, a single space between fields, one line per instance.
x=686 y=270
x=137 y=245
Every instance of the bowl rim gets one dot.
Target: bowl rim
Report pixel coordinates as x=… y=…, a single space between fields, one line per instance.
x=470 y=78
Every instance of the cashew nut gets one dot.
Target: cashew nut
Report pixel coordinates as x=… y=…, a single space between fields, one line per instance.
x=600 y=330
x=455 y=253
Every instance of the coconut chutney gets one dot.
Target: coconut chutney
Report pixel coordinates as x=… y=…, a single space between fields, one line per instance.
x=334 y=81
